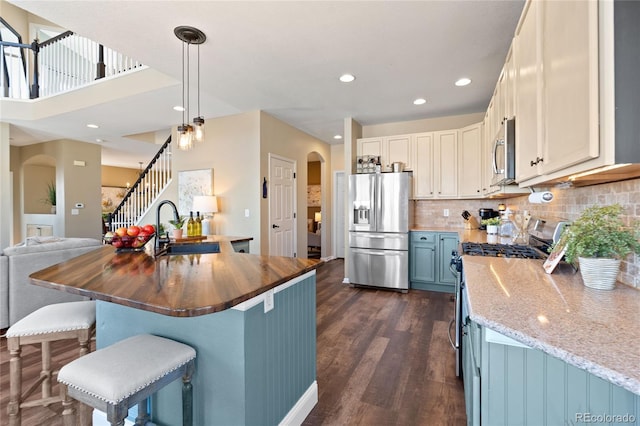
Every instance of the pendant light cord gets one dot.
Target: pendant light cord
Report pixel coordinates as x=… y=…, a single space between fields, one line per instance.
x=183 y=107
x=199 y=81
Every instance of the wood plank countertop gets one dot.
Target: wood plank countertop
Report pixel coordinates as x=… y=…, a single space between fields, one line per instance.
x=174 y=285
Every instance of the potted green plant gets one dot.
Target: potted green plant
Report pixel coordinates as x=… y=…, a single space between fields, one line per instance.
x=599 y=239
x=51 y=196
x=491 y=224
x=178 y=224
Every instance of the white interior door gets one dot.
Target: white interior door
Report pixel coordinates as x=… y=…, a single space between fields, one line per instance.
x=339 y=222
x=282 y=221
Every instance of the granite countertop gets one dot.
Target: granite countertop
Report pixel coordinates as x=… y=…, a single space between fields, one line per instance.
x=174 y=285
x=595 y=330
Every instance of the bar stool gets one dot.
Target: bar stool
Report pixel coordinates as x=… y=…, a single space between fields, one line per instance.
x=115 y=378
x=69 y=320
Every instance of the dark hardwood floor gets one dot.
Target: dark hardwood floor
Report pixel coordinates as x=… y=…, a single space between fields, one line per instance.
x=383 y=359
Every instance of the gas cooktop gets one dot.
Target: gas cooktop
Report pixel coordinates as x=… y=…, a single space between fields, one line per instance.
x=501 y=250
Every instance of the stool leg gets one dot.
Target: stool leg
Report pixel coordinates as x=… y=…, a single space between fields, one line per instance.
x=45 y=373
x=15 y=380
x=143 y=413
x=187 y=396
x=68 y=412
x=84 y=338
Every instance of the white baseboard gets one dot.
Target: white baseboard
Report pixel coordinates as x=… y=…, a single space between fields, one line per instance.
x=303 y=407
x=328 y=258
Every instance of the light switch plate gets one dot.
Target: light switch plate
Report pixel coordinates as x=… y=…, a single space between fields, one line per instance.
x=268 y=301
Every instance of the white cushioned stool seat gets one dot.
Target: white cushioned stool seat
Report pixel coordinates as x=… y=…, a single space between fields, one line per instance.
x=60 y=321
x=115 y=378
x=56 y=318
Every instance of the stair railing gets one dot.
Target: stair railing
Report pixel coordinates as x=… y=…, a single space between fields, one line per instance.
x=145 y=191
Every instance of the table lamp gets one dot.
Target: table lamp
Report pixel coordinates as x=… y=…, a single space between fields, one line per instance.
x=207 y=205
x=318 y=218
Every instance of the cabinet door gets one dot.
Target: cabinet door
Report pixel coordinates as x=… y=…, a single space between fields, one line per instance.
x=509 y=86
x=446 y=244
x=369 y=146
x=398 y=148
x=470 y=164
x=423 y=262
x=423 y=169
x=446 y=163
x=570 y=80
x=528 y=75
x=471 y=379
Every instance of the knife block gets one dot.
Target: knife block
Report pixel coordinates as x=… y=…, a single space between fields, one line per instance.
x=471 y=223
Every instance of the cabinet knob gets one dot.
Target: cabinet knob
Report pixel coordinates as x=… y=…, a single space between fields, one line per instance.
x=423 y=238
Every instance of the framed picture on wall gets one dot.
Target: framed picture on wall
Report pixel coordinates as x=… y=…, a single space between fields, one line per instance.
x=111 y=197
x=190 y=184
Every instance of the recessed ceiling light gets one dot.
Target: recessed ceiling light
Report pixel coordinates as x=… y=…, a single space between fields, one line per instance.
x=463 y=82
x=420 y=101
x=99 y=140
x=337 y=137
x=347 y=78
x=179 y=108
x=92 y=126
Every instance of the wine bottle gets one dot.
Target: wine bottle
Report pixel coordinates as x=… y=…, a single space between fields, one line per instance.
x=191 y=224
x=198 y=224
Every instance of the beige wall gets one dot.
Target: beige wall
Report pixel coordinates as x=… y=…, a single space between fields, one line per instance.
x=231 y=149
x=424 y=125
x=567 y=203
x=286 y=141
x=119 y=176
x=74 y=184
x=6 y=204
x=36 y=180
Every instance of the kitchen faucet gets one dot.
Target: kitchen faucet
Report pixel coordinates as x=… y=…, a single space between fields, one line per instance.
x=176 y=217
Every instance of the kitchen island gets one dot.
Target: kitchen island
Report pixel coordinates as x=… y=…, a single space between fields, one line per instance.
x=250 y=318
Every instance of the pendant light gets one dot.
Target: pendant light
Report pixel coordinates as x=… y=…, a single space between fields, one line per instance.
x=186 y=133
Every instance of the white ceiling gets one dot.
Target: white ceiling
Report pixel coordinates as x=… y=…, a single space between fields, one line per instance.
x=285 y=58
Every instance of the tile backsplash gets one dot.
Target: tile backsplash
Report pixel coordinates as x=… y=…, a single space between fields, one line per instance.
x=567 y=203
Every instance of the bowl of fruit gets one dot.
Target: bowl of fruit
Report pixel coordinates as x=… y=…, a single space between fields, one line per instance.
x=132 y=238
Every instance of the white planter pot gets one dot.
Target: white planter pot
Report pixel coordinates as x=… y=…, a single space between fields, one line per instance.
x=599 y=273
x=492 y=229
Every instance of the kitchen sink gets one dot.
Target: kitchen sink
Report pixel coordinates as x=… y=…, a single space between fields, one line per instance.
x=192 y=248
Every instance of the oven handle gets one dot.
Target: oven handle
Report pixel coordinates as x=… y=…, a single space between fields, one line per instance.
x=453 y=345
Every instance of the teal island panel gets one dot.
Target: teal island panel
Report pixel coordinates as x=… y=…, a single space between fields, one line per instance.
x=252 y=367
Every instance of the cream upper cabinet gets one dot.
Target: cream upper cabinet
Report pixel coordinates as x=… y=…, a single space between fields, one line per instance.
x=423 y=172
x=369 y=146
x=390 y=149
x=398 y=149
x=470 y=164
x=556 y=57
x=528 y=80
x=486 y=158
x=445 y=164
x=570 y=83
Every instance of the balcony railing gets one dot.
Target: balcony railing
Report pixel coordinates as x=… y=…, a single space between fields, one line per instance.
x=62 y=63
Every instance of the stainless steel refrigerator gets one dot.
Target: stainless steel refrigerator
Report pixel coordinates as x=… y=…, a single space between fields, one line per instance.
x=379 y=223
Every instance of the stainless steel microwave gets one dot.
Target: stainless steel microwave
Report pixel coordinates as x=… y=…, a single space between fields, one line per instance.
x=504 y=154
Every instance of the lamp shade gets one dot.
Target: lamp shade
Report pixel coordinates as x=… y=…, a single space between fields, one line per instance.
x=205 y=203
x=317 y=216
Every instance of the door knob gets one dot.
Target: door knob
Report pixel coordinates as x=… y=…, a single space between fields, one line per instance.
x=275 y=226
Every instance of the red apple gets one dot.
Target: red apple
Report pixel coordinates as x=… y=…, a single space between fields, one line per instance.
x=133 y=231
x=117 y=243
x=148 y=228
x=121 y=232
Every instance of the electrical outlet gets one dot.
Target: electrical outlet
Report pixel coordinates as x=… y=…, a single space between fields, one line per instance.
x=268 y=301
x=446 y=213
x=246 y=212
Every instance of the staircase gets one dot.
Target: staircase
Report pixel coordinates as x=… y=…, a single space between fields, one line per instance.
x=145 y=191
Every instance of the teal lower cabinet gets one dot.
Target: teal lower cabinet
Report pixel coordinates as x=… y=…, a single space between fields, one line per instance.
x=429 y=257
x=507 y=383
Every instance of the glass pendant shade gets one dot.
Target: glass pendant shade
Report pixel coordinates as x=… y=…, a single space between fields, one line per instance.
x=198 y=129
x=185 y=135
